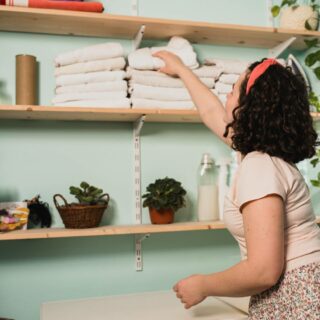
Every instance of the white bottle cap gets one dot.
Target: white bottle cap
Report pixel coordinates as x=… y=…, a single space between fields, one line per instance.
x=206 y=159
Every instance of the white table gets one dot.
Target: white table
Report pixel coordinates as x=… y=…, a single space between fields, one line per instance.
x=144 y=306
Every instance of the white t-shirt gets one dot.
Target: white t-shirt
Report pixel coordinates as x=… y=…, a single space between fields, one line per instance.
x=259 y=175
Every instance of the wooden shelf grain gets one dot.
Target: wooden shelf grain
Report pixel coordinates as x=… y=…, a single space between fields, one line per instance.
x=26 y=112
x=110 y=230
x=96 y=114
x=51 y=233
x=48 y=21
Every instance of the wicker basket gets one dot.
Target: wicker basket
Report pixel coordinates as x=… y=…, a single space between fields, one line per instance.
x=79 y=216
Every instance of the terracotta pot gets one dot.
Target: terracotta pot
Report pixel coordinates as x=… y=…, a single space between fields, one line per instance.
x=295 y=18
x=163 y=216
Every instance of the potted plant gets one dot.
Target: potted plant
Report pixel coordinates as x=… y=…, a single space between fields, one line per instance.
x=315 y=161
x=164 y=197
x=297 y=16
x=88 y=212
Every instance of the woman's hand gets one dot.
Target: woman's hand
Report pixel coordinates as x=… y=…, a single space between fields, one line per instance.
x=191 y=290
x=173 y=64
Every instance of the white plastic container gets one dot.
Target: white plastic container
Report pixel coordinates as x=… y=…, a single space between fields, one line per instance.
x=208 y=199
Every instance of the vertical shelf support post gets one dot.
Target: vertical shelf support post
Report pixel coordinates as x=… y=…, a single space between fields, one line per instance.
x=137 y=126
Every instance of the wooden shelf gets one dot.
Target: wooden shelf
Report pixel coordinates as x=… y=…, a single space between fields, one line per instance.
x=101 y=114
x=62 y=22
x=110 y=230
x=113 y=230
x=96 y=114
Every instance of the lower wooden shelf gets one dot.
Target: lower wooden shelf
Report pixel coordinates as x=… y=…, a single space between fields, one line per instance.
x=110 y=230
x=49 y=233
x=26 y=112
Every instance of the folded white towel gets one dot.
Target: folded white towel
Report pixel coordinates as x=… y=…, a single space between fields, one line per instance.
x=96 y=52
x=106 y=103
x=95 y=87
x=169 y=82
x=158 y=104
x=90 y=77
x=202 y=72
x=208 y=72
x=60 y=98
x=159 y=93
x=228 y=66
x=229 y=78
x=223 y=87
x=142 y=59
x=91 y=66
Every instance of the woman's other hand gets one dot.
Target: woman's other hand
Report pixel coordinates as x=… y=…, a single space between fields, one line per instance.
x=173 y=64
x=190 y=290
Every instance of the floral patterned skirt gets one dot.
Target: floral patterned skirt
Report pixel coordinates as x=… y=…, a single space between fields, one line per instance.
x=296 y=296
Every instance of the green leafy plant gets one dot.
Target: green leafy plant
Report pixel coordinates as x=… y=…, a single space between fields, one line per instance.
x=315 y=161
x=314 y=101
x=165 y=193
x=87 y=194
x=275 y=10
x=312 y=59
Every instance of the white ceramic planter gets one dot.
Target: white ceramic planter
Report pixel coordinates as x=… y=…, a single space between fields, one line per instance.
x=295 y=18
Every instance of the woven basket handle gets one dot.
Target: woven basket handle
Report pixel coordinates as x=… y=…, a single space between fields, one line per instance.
x=56 y=201
x=105 y=195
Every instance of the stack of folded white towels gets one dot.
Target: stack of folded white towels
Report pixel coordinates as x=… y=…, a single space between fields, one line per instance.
x=93 y=76
x=231 y=70
x=152 y=89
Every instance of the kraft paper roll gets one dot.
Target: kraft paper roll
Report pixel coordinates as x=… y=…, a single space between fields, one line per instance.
x=26 y=79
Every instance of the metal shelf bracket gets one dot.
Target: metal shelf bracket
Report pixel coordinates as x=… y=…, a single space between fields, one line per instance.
x=277 y=50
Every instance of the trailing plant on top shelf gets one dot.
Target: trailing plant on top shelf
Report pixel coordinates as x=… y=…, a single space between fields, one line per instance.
x=297 y=15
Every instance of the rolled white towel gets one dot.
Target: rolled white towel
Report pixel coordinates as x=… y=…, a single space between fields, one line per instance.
x=105 y=103
x=90 y=77
x=100 y=51
x=228 y=66
x=169 y=82
x=92 y=66
x=65 y=97
x=95 y=87
x=138 y=103
x=229 y=78
x=223 y=87
x=158 y=93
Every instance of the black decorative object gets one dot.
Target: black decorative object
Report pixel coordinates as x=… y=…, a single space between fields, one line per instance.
x=39 y=213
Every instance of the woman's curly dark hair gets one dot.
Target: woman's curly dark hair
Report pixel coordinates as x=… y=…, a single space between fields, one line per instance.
x=274 y=117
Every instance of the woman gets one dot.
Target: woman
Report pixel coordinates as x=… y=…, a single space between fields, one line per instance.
x=268 y=208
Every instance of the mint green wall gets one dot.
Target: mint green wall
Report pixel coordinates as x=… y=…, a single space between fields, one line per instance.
x=46 y=157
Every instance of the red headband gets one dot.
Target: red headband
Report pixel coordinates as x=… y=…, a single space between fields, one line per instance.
x=258 y=71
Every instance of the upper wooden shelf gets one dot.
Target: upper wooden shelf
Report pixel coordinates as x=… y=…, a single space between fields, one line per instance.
x=110 y=230
x=101 y=114
x=126 y=27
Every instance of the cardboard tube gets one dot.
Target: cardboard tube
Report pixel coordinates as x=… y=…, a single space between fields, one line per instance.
x=26 y=79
